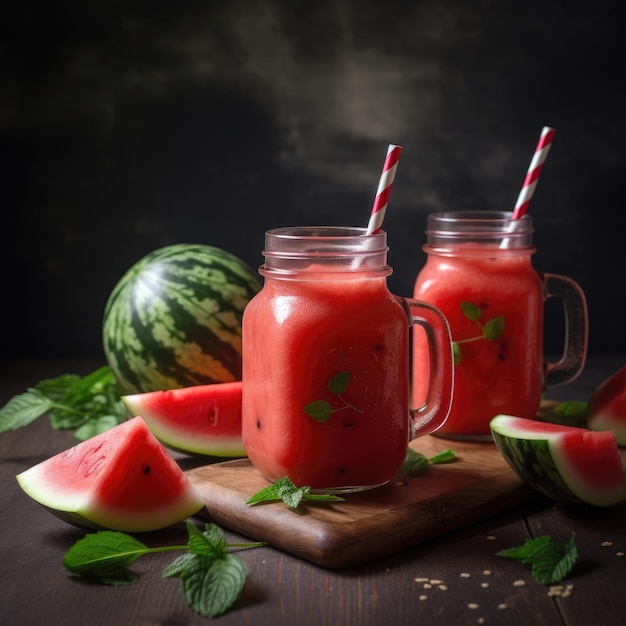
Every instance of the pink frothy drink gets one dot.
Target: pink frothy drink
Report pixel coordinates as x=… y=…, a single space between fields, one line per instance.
x=479 y=273
x=325 y=362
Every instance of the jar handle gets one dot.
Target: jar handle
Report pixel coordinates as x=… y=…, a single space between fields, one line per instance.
x=574 y=355
x=434 y=412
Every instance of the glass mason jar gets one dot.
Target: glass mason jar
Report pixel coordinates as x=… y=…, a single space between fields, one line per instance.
x=479 y=273
x=326 y=362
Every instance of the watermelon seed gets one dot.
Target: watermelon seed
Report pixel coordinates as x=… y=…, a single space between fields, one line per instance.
x=146 y=469
x=258 y=424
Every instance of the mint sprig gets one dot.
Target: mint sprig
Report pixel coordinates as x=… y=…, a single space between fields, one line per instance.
x=490 y=330
x=284 y=489
x=416 y=463
x=321 y=410
x=211 y=578
x=87 y=404
x=549 y=562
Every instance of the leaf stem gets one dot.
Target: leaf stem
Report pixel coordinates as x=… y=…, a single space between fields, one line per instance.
x=470 y=339
x=348 y=405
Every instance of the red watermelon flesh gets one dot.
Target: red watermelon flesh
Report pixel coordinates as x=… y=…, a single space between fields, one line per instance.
x=606 y=409
x=565 y=463
x=122 y=479
x=202 y=419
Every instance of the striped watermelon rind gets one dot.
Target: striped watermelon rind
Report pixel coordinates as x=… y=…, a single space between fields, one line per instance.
x=564 y=463
x=174 y=319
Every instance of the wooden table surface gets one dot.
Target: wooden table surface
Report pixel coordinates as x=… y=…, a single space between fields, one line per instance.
x=471 y=585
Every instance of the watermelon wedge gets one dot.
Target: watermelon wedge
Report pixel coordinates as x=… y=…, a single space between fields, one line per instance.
x=564 y=463
x=122 y=479
x=606 y=409
x=203 y=419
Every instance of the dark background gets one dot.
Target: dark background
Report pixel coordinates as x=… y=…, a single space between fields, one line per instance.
x=129 y=126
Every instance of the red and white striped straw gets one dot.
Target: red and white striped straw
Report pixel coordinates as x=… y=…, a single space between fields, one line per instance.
x=534 y=170
x=384 y=189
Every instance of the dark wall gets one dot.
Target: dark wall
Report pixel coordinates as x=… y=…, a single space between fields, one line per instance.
x=125 y=129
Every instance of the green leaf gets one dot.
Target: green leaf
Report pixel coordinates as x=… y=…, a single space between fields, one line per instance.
x=525 y=552
x=319 y=410
x=267 y=494
x=549 y=562
x=105 y=556
x=210 y=543
x=446 y=456
x=471 y=311
x=23 y=409
x=283 y=489
x=211 y=578
x=96 y=426
x=56 y=388
x=493 y=328
x=457 y=353
x=572 y=409
x=210 y=585
x=178 y=565
x=414 y=463
x=338 y=383
x=553 y=562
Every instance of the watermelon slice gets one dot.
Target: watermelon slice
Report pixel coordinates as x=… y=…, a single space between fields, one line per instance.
x=565 y=463
x=122 y=479
x=606 y=409
x=203 y=419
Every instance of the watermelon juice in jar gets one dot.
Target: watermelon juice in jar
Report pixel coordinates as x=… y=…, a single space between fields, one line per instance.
x=325 y=362
x=479 y=273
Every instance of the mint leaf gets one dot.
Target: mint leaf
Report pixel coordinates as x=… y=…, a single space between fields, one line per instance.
x=549 y=562
x=525 y=553
x=284 y=489
x=571 y=408
x=105 y=557
x=447 y=456
x=457 y=352
x=95 y=426
x=553 y=562
x=211 y=578
x=211 y=542
x=338 y=383
x=493 y=328
x=23 y=409
x=56 y=388
x=319 y=410
x=415 y=462
x=89 y=405
x=210 y=585
x=471 y=311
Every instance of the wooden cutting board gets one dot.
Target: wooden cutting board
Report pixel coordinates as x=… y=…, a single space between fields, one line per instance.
x=370 y=524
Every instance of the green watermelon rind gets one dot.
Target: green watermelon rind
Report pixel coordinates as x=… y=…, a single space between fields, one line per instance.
x=537 y=459
x=83 y=509
x=174 y=318
x=227 y=447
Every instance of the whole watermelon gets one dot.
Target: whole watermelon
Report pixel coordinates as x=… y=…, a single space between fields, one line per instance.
x=174 y=319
